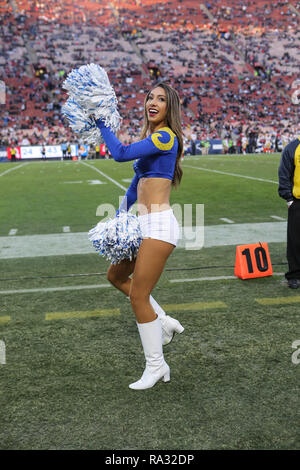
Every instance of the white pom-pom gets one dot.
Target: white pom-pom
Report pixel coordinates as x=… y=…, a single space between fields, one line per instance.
x=118 y=238
x=81 y=123
x=89 y=87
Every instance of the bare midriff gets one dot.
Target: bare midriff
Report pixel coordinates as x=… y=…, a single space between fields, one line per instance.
x=153 y=195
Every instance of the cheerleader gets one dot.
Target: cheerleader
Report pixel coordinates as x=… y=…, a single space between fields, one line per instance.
x=157 y=168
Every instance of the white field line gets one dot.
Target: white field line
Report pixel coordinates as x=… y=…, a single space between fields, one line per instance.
x=105 y=176
x=212 y=278
x=229 y=174
x=56 y=244
x=220 y=158
x=53 y=289
x=276 y=217
x=13 y=168
x=196 y=279
x=229 y=221
x=101 y=286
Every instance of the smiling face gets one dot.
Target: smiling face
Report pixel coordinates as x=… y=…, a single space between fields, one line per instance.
x=156 y=108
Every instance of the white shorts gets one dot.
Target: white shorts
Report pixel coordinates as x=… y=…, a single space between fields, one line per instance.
x=160 y=226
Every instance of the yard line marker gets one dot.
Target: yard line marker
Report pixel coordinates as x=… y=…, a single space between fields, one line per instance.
x=105 y=176
x=276 y=217
x=13 y=168
x=92 y=182
x=278 y=300
x=71 y=182
x=66 y=229
x=82 y=314
x=230 y=174
x=193 y=306
x=4 y=319
x=13 y=231
x=229 y=221
x=53 y=289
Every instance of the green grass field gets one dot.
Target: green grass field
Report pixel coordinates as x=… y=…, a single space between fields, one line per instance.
x=71 y=342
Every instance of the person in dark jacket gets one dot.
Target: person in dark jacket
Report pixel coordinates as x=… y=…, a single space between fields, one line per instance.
x=289 y=189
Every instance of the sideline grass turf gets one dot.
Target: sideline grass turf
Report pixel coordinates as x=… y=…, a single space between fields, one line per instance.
x=65 y=381
x=43 y=197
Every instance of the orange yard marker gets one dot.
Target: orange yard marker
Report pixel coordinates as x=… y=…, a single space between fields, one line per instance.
x=252 y=261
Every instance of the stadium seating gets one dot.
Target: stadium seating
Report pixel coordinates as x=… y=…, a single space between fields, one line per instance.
x=233 y=65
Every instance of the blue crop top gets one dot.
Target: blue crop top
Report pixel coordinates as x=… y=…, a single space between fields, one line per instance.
x=155 y=157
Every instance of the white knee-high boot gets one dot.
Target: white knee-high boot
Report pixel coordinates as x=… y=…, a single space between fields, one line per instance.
x=156 y=367
x=170 y=325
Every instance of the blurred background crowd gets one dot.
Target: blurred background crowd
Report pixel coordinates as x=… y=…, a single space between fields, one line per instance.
x=234 y=63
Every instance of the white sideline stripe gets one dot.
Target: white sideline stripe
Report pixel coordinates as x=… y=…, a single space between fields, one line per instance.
x=105 y=176
x=240 y=234
x=230 y=174
x=214 y=278
x=55 y=244
x=196 y=279
x=101 y=286
x=13 y=168
x=53 y=289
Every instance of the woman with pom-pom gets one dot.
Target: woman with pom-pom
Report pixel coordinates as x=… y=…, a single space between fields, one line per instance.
x=157 y=169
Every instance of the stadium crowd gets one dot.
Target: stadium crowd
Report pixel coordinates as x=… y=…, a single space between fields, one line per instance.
x=235 y=66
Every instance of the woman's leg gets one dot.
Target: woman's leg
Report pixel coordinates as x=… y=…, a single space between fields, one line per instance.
x=118 y=275
x=149 y=265
x=150 y=262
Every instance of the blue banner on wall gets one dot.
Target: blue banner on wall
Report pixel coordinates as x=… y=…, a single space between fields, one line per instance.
x=196 y=148
x=215 y=146
x=3 y=154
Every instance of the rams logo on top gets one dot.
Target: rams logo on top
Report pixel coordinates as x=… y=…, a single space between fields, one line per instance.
x=163 y=145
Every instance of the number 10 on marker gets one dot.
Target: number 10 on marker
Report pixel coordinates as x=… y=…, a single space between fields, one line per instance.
x=252 y=261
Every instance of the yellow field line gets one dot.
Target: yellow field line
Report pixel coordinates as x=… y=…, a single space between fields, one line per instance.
x=194 y=306
x=116 y=311
x=83 y=314
x=4 y=319
x=278 y=300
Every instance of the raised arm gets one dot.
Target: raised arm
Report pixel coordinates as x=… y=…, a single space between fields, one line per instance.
x=125 y=153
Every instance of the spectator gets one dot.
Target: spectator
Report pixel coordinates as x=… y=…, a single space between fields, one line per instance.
x=97 y=151
x=289 y=189
x=244 y=144
x=69 y=156
x=64 y=150
x=43 y=152
x=13 y=153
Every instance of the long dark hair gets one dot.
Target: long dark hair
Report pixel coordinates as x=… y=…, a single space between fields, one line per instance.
x=173 y=119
